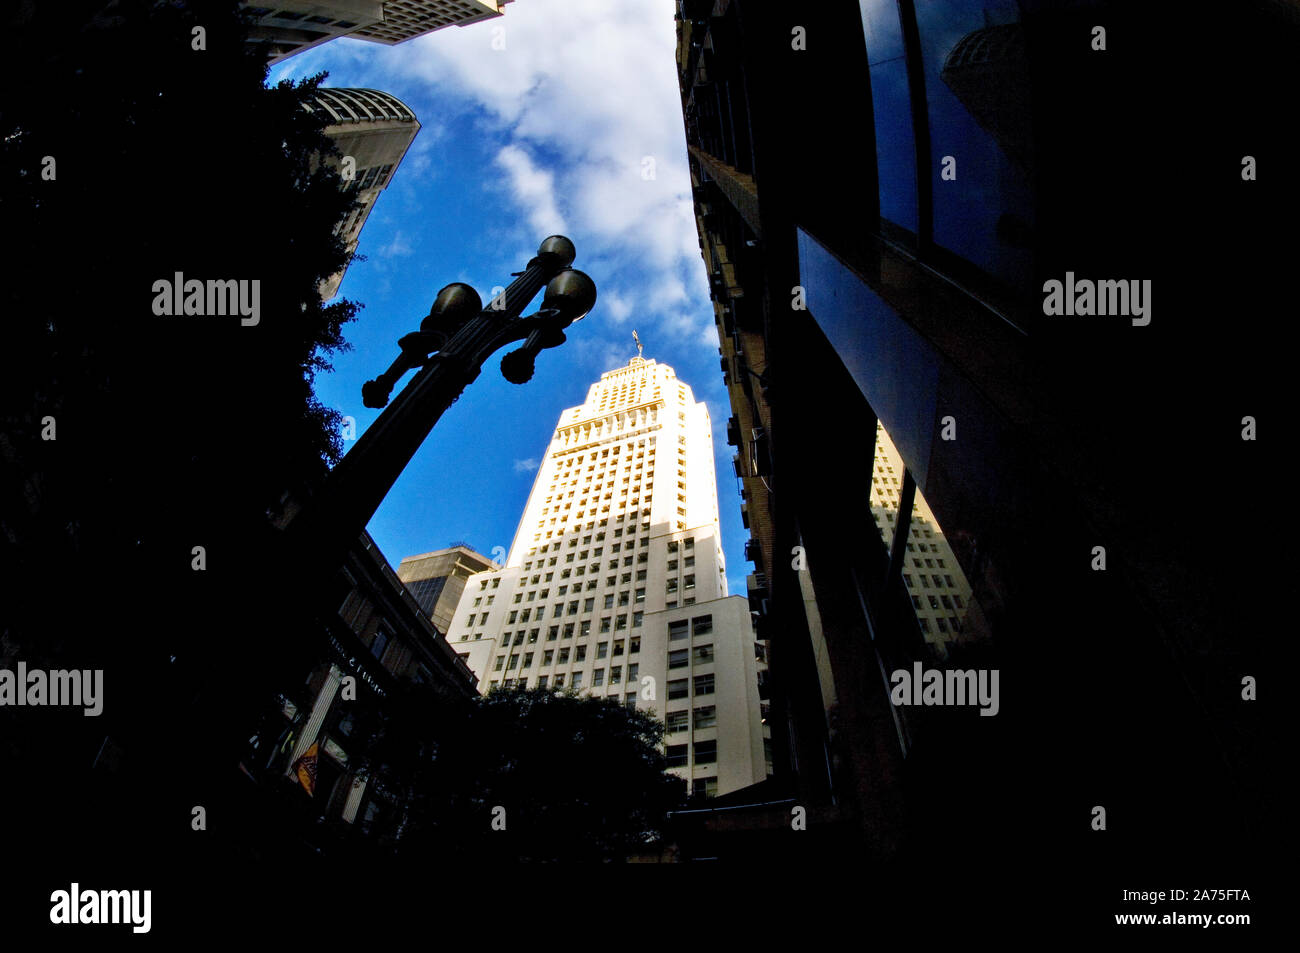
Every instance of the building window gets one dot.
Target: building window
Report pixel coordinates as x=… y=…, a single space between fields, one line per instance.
x=703 y=654
x=703 y=624
x=706 y=752
x=676 y=721
x=615 y=674
x=679 y=659
x=677 y=755
x=501 y=661
x=576 y=682
x=703 y=684
x=564 y=656
x=598 y=678
x=706 y=716
x=705 y=787
x=513 y=663
x=679 y=688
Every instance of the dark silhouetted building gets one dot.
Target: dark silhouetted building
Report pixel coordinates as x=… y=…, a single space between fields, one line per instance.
x=885 y=192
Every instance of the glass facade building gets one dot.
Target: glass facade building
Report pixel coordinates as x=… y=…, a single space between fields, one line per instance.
x=887 y=192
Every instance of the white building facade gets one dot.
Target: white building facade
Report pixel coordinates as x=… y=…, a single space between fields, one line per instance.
x=616 y=586
x=940 y=592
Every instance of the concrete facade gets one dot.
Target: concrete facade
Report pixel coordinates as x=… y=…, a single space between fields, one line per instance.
x=374 y=129
x=292 y=26
x=616 y=585
x=437 y=580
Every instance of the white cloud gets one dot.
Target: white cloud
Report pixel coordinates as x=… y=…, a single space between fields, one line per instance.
x=400 y=245
x=617 y=307
x=527 y=466
x=534 y=189
x=584 y=91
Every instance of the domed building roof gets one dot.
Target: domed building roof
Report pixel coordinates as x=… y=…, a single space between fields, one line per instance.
x=357 y=105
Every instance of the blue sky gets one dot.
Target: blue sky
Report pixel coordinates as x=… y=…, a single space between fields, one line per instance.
x=549 y=135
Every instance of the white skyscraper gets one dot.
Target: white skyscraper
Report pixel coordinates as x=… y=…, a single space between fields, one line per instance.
x=616 y=582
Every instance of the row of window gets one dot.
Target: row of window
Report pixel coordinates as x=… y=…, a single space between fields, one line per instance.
x=706 y=752
x=706 y=716
x=680 y=658
x=940 y=623
x=586 y=541
x=295 y=15
x=620 y=621
x=913 y=532
x=615 y=672
x=633 y=646
x=949 y=602
x=938 y=581
x=573 y=465
x=690 y=688
x=685 y=628
x=537 y=537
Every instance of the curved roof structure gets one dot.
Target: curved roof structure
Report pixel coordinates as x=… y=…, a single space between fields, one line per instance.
x=359 y=105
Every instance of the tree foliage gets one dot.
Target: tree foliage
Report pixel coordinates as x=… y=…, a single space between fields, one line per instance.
x=564 y=777
x=128 y=156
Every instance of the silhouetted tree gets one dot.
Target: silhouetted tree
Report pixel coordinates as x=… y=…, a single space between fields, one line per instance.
x=565 y=778
x=127 y=156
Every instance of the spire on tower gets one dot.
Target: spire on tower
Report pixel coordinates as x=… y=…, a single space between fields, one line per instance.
x=638 y=342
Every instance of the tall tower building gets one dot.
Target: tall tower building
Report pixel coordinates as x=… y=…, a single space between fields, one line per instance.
x=438 y=579
x=616 y=581
x=375 y=129
x=939 y=590
x=292 y=26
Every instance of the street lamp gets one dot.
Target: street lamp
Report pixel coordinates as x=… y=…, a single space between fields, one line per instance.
x=448 y=352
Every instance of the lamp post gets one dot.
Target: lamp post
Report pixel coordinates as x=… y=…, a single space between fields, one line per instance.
x=455 y=339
